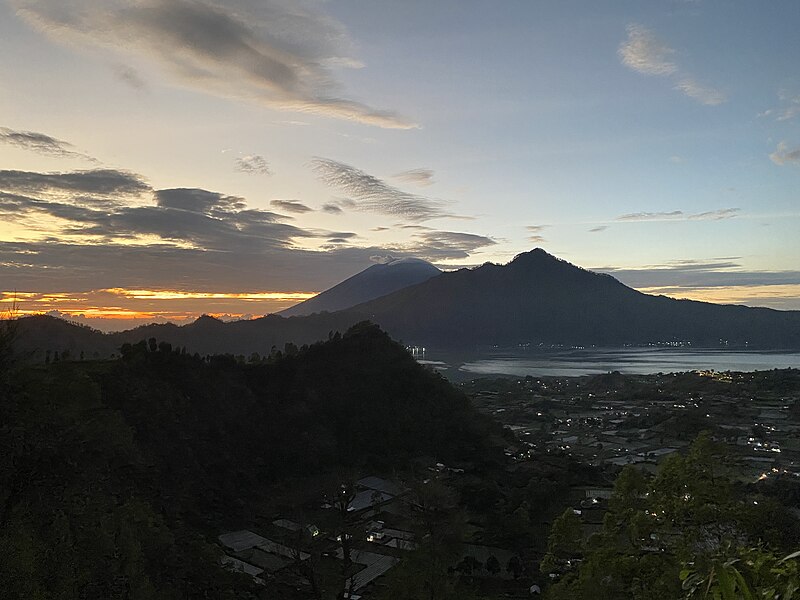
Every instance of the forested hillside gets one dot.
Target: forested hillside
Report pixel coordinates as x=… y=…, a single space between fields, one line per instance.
x=114 y=475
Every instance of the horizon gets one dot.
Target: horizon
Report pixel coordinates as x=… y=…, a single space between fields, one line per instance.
x=127 y=323
x=261 y=153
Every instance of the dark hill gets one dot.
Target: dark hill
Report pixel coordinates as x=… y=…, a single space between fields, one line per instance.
x=374 y=282
x=115 y=474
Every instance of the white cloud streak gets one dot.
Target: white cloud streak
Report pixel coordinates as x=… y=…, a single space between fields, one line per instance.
x=679 y=215
x=644 y=53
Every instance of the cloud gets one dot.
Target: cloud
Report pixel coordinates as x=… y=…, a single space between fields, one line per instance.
x=644 y=53
x=784 y=156
x=129 y=212
x=382 y=259
x=441 y=245
x=41 y=144
x=98 y=181
x=679 y=215
x=715 y=215
x=130 y=76
x=701 y=93
x=375 y=195
x=420 y=177
x=789 y=110
x=536 y=228
x=536 y=239
x=291 y=206
x=598 y=229
x=380 y=228
x=275 y=52
x=332 y=209
x=651 y=216
x=253 y=165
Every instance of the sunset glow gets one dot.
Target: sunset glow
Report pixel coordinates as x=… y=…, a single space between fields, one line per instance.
x=656 y=142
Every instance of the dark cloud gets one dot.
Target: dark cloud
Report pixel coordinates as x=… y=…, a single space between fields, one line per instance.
x=41 y=144
x=198 y=201
x=373 y=194
x=536 y=239
x=60 y=266
x=195 y=217
x=291 y=206
x=442 y=245
x=99 y=181
x=420 y=177
x=380 y=228
x=273 y=52
x=598 y=229
x=130 y=76
x=253 y=165
x=332 y=209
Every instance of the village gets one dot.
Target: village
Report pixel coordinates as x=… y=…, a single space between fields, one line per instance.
x=600 y=423
x=616 y=420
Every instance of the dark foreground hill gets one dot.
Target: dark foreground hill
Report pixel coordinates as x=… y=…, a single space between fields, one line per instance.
x=374 y=282
x=115 y=474
x=535 y=299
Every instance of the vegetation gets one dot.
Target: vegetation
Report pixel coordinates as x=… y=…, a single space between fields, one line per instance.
x=690 y=531
x=116 y=476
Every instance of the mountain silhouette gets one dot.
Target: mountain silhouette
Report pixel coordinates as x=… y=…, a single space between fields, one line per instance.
x=536 y=299
x=540 y=299
x=373 y=282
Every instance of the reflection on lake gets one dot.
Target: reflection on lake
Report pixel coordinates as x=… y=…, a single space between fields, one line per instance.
x=565 y=363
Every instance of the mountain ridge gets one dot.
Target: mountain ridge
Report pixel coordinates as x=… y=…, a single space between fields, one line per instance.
x=535 y=299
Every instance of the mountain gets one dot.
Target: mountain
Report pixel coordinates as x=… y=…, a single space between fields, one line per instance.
x=374 y=282
x=535 y=299
x=540 y=299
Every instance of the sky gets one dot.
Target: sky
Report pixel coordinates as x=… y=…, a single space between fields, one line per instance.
x=161 y=159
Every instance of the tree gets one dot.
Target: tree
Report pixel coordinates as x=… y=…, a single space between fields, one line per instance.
x=746 y=573
x=492 y=565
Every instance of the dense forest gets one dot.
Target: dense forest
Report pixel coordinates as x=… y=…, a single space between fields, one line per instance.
x=115 y=475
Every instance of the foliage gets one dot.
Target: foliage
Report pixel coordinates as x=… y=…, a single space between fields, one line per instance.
x=117 y=476
x=686 y=524
x=745 y=574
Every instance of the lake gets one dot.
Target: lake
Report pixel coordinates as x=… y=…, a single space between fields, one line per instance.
x=594 y=361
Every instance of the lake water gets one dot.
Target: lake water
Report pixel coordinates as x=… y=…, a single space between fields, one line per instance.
x=595 y=361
